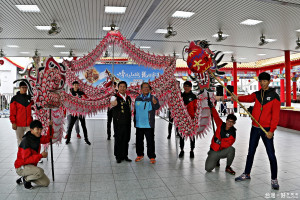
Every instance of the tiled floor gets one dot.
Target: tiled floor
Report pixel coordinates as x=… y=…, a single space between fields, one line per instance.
x=91 y=172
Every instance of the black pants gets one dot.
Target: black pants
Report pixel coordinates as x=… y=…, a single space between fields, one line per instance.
x=171 y=126
x=255 y=135
x=72 y=122
x=109 y=120
x=122 y=138
x=149 y=133
x=192 y=141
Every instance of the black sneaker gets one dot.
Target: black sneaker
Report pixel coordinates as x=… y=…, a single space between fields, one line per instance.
x=119 y=160
x=229 y=170
x=19 y=181
x=169 y=136
x=87 y=142
x=274 y=184
x=108 y=138
x=128 y=159
x=67 y=142
x=27 y=184
x=181 y=154
x=192 y=154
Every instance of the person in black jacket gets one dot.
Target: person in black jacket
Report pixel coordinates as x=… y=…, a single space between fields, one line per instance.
x=121 y=111
x=29 y=155
x=190 y=100
x=76 y=92
x=222 y=141
x=20 y=112
x=109 y=118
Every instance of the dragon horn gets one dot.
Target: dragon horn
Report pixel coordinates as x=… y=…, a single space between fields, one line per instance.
x=219 y=60
x=222 y=65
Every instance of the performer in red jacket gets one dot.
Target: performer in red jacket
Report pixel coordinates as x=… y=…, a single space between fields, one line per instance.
x=190 y=100
x=29 y=155
x=266 y=111
x=20 y=112
x=221 y=143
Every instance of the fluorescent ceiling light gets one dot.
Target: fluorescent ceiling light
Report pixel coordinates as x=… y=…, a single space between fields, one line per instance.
x=43 y=28
x=298 y=30
x=108 y=28
x=25 y=52
x=182 y=14
x=216 y=35
x=261 y=54
x=28 y=8
x=242 y=58
x=64 y=52
x=227 y=52
x=115 y=9
x=145 y=47
x=161 y=31
x=251 y=22
x=270 y=40
x=12 y=46
x=59 y=46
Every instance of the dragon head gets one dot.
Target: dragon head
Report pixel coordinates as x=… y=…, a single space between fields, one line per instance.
x=48 y=81
x=200 y=59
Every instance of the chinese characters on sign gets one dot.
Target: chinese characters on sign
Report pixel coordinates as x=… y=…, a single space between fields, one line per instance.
x=282 y=195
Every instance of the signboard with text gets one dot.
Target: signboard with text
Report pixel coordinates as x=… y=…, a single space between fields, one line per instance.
x=130 y=73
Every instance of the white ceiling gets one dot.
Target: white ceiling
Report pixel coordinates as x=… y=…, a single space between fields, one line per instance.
x=81 y=22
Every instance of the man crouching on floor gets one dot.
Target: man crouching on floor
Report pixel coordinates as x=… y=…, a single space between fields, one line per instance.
x=29 y=155
x=221 y=143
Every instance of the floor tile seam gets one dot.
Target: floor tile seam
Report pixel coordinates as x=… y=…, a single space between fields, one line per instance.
x=138 y=182
x=165 y=184
x=113 y=177
x=69 y=169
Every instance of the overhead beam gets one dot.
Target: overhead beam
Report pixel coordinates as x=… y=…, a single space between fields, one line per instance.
x=145 y=18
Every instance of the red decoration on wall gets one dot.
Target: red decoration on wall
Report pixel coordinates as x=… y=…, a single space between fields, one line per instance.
x=1 y=62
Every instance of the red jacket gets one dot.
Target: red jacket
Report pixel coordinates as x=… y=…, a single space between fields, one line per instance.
x=223 y=138
x=29 y=149
x=190 y=100
x=265 y=111
x=20 y=110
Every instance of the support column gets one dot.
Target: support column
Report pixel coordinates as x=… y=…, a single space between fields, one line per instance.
x=235 y=84
x=282 y=99
x=288 y=77
x=257 y=74
x=294 y=88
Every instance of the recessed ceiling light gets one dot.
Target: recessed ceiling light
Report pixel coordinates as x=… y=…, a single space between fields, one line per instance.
x=227 y=52
x=145 y=47
x=251 y=22
x=216 y=35
x=108 y=28
x=43 y=28
x=161 y=31
x=28 y=8
x=270 y=40
x=12 y=46
x=59 y=46
x=242 y=58
x=115 y=9
x=182 y=14
x=25 y=52
x=64 y=52
x=261 y=54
